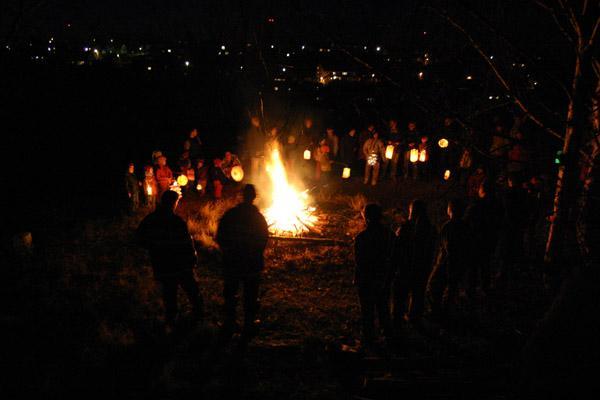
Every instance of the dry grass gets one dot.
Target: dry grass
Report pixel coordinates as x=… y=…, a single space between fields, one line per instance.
x=204 y=222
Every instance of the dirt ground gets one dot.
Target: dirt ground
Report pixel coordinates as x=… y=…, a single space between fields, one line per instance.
x=87 y=318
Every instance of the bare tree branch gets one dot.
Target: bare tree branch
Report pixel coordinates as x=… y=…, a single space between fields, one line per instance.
x=499 y=76
x=560 y=26
x=521 y=53
x=572 y=20
x=593 y=34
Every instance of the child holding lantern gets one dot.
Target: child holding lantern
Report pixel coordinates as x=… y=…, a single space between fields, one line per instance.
x=149 y=186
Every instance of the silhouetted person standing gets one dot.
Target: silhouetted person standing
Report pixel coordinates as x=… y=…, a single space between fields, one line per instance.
x=412 y=260
x=451 y=263
x=173 y=255
x=484 y=218
x=242 y=236
x=372 y=248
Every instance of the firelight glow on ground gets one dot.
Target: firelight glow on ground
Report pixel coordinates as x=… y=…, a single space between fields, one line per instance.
x=289 y=212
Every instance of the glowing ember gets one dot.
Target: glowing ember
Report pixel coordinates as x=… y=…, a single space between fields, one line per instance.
x=289 y=213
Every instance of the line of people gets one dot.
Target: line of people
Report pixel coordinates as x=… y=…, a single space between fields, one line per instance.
x=404 y=275
x=387 y=154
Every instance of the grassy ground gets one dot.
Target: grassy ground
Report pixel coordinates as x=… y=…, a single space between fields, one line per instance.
x=84 y=314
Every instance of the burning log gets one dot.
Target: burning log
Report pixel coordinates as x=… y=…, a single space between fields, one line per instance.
x=312 y=240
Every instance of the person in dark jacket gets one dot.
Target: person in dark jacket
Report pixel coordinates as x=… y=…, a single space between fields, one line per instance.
x=451 y=263
x=242 y=235
x=394 y=138
x=132 y=188
x=372 y=248
x=349 y=148
x=412 y=260
x=165 y=235
x=484 y=217
x=193 y=145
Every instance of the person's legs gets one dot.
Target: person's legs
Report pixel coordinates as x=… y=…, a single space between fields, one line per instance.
x=251 y=302
x=434 y=291
x=400 y=300
x=383 y=311
x=367 y=306
x=230 y=289
x=394 y=166
x=418 y=299
x=189 y=285
x=169 y=292
x=375 y=173
x=367 y=172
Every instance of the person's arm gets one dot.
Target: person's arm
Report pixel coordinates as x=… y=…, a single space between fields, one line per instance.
x=263 y=232
x=365 y=149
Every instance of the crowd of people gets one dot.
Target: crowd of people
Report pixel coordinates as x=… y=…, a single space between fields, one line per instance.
x=388 y=152
x=192 y=174
x=421 y=272
x=402 y=275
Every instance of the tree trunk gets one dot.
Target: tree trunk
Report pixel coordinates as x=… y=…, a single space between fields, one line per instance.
x=565 y=196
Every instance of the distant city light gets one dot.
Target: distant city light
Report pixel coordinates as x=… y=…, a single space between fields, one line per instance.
x=276 y=88
x=364 y=48
x=372 y=75
x=283 y=69
x=491 y=97
x=223 y=47
x=241 y=67
x=378 y=48
x=421 y=75
x=469 y=77
x=491 y=57
x=49 y=49
x=187 y=63
x=168 y=50
x=272 y=46
x=140 y=48
x=111 y=40
x=287 y=54
x=86 y=49
x=96 y=51
x=303 y=47
x=149 y=68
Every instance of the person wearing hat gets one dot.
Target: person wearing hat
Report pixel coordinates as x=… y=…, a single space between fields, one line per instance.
x=242 y=236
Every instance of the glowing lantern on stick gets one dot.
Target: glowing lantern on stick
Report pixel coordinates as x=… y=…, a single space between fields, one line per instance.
x=307 y=154
x=175 y=187
x=372 y=159
x=346 y=173
x=443 y=143
x=423 y=155
x=447 y=175
x=237 y=173
x=149 y=190
x=389 y=152
x=414 y=155
x=182 y=180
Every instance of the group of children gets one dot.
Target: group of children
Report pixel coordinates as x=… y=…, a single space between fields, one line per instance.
x=192 y=175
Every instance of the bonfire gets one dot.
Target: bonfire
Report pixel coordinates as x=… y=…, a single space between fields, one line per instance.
x=289 y=213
